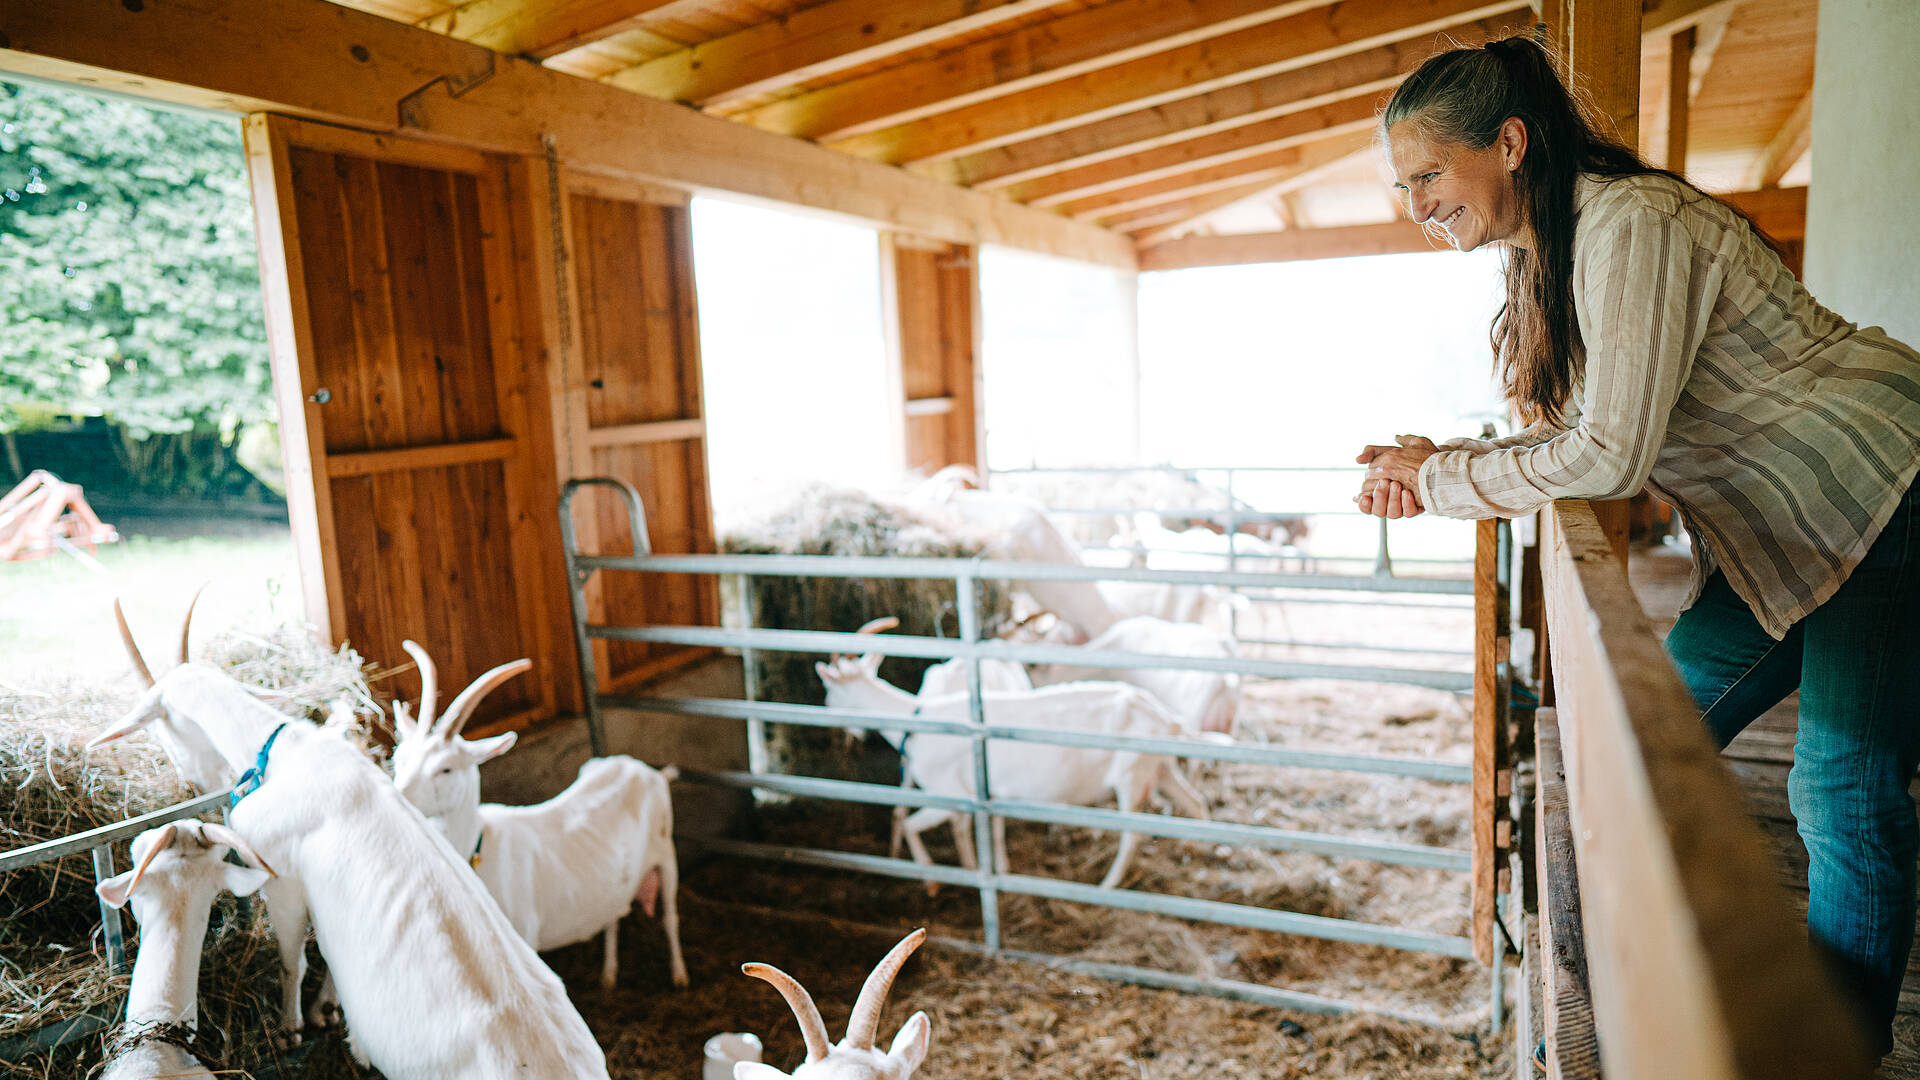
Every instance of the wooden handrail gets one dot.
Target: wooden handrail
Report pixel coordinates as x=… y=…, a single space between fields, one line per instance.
x=1699 y=967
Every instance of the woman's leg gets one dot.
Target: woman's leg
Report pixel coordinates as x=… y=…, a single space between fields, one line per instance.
x=1858 y=744
x=1734 y=670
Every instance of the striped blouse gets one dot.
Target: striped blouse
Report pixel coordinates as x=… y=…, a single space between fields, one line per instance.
x=1784 y=435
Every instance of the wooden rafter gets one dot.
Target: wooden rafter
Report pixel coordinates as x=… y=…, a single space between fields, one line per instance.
x=1158 y=224
x=540 y=28
x=1673 y=16
x=1277 y=165
x=808 y=44
x=1012 y=62
x=1169 y=75
x=1203 y=114
x=301 y=57
x=1289 y=245
x=1221 y=149
x=1785 y=147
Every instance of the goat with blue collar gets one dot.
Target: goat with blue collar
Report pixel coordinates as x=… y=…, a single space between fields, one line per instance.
x=432 y=980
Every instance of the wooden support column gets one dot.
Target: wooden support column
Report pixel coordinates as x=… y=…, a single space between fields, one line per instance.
x=1602 y=42
x=1679 y=99
x=931 y=300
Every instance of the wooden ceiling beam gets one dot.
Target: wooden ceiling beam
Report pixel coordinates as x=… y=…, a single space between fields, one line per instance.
x=540 y=28
x=1268 y=49
x=1199 y=209
x=809 y=44
x=1275 y=165
x=1780 y=212
x=1343 y=117
x=998 y=66
x=1673 y=16
x=1289 y=245
x=1203 y=114
x=1786 y=146
x=315 y=59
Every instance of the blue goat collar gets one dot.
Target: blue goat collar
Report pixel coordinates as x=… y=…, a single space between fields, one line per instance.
x=251 y=780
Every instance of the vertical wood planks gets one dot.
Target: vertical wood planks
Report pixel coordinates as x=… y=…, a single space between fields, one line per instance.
x=411 y=325
x=931 y=292
x=638 y=335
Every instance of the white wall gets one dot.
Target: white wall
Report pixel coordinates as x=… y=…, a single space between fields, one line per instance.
x=1863 y=235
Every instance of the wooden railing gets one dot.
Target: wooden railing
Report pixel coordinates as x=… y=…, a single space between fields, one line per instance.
x=1697 y=964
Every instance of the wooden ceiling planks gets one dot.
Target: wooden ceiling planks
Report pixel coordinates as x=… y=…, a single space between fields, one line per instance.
x=1165 y=75
x=1089 y=105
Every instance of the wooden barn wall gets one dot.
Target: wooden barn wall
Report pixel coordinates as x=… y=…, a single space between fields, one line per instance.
x=639 y=344
x=933 y=329
x=397 y=354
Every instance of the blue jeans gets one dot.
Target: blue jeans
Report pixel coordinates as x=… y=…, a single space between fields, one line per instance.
x=1856 y=662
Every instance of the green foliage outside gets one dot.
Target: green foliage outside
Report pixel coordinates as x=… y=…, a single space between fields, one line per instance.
x=131 y=290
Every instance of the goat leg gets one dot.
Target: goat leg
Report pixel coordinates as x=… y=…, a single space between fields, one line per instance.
x=1130 y=794
x=287 y=909
x=670 y=919
x=918 y=822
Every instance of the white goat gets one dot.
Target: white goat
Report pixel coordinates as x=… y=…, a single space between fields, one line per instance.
x=1202 y=701
x=1202 y=549
x=1018 y=529
x=855 y=1058
x=562 y=870
x=179 y=869
x=432 y=979
x=943 y=764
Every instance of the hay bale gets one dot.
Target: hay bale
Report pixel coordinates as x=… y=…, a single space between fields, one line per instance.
x=52 y=961
x=822 y=520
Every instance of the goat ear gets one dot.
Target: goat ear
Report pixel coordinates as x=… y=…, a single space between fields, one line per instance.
x=243 y=880
x=484 y=750
x=753 y=1070
x=115 y=891
x=911 y=1045
x=146 y=709
x=870 y=663
x=823 y=670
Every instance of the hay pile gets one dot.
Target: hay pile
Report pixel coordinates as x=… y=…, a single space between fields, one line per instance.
x=52 y=960
x=822 y=520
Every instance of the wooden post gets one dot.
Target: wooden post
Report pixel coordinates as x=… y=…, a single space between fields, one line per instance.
x=1679 y=87
x=1602 y=41
x=1490 y=646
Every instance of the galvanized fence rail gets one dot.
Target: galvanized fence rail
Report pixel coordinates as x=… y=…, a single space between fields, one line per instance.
x=983 y=805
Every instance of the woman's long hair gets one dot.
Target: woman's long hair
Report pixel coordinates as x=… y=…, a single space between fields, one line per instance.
x=1465 y=96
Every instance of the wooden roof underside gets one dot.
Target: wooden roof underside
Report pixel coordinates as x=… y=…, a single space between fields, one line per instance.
x=1155 y=118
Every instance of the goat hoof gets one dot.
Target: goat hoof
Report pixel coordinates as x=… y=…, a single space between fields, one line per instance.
x=680 y=980
x=325 y=1016
x=286 y=1040
x=933 y=889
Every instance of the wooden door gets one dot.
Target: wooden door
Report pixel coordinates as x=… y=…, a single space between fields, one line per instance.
x=636 y=410
x=421 y=497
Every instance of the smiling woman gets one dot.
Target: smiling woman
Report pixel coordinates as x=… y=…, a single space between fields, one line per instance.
x=1653 y=339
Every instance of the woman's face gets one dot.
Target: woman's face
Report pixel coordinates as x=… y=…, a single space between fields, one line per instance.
x=1469 y=193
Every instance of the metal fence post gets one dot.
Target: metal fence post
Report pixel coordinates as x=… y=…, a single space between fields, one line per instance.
x=750 y=680
x=969 y=610
x=109 y=915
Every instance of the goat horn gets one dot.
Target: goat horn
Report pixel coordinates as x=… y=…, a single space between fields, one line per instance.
x=873 y=995
x=165 y=842
x=463 y=705
x=220 y=834
x=812 y=1028
x=133 y=650
x=186 y=624
x=429 y=682
x=871 y=626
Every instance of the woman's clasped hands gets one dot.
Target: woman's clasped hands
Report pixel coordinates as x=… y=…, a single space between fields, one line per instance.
x=1388 y=490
